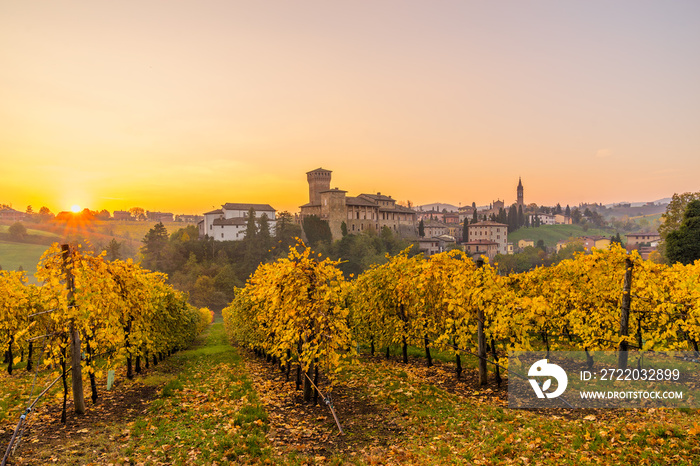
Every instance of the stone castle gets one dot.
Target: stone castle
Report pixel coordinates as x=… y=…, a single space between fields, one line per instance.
x=361 y=213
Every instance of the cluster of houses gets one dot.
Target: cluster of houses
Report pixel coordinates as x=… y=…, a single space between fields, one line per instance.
x=645 y=243
x=442 y=230
x=369 y=211
x=10 y=214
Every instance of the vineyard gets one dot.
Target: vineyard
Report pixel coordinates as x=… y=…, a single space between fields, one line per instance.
x=302 y=312
x=330 y=336
x=90 y=316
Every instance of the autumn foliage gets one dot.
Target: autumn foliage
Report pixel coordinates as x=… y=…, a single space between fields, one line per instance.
x=294 y=309
x=299 y=308
x=123 y=313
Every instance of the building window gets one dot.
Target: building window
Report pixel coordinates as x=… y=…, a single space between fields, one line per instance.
x=222 y=235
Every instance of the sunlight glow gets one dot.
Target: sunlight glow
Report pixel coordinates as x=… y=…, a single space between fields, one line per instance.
x=75 y=208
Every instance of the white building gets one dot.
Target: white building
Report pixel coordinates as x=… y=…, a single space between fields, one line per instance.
x=229 y=223
x=545 y=219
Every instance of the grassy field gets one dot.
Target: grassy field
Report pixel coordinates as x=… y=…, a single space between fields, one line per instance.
x=550 y=234
x=30 y=231
x=97 y=233
x=214 y=404
x=14 y=255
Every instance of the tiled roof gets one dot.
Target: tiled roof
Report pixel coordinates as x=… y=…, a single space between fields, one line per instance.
x=334 y=190
x=378 y=197
x=398 y=208
x=256 y=207
x=488 y=223
x=319 y=170
x=359 y=201
x=230 y=221
x=217 y=211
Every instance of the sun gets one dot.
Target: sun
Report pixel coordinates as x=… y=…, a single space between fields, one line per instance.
x=75 y=208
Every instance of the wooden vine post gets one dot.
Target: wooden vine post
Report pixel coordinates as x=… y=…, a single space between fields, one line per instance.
x=625 y=315
x=76 y=369
x=481 y=318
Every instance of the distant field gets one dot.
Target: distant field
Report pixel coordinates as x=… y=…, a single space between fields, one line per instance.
x=98 y=233
x=551 y=234
x=30 y=230
x=648 y=222
x=12 y=255
x=651 y=218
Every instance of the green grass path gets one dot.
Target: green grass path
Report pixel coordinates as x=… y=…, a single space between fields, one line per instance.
x=208 y=411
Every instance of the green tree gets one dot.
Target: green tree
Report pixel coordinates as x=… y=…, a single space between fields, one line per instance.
x=475 y=216
x=138 y=213
x=502 y=216
x=286 y=230
x=465 y=230
x=44 y=214
x=675 y=211
x=153 y=249
x=521 y=216
x=113 y=250
x=576 y=216
x=512 y=219
x=263 y=238
x=683 y=244
x=251 y=229
x=316 y=230
x=205 y=294
x=17 y=231
x=251 y=247
x=421 y=229
x=103 y=215
x=616 y=239
x=673 y=217
x=344 y=229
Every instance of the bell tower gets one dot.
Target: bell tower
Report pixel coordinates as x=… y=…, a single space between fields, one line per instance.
x=521 y=200
x=319 y=180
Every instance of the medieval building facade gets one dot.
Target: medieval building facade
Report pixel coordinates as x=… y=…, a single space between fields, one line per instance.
x=361 y=213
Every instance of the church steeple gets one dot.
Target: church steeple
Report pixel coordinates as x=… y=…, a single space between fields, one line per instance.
x=521 y=200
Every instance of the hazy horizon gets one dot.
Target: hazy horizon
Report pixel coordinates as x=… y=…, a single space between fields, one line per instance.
x=183 y=106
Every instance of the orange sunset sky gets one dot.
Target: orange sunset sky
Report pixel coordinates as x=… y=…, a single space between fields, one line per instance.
x=183 y=105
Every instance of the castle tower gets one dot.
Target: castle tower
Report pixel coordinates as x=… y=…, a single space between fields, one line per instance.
x=521 y=200
x=319 y=180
